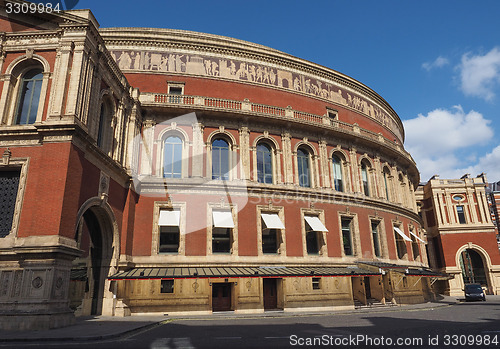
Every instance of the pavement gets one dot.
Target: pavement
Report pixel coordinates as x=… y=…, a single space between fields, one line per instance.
x=108 y=327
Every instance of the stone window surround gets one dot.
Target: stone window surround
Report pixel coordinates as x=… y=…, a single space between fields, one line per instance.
x=168 y=205
x=12 y=83
x=215 y=206
x=175 y=84
x=345 y=168
x=355 y=239
x=8 y=164
x=382 y=237
x=172 y=130
x=275 y=157
x=280 y=211
x=323 y=249
x=399 y=224
x=414 y=240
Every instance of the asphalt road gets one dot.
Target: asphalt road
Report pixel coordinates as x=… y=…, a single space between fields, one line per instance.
x=465 y=325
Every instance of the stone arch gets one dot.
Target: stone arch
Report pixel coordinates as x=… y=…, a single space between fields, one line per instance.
x=222 y=134
x=267 y=139
x=97 y=234
x=22 y=61
x=486 y=261
x=309 y=146
x=160 y=148
x=12 y=85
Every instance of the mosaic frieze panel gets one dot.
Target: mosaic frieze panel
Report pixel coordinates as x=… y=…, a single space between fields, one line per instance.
x=173 y=62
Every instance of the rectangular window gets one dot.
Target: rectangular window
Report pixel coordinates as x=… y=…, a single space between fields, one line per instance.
x=400 y=239
x=316 y=283
x=347 y=236
x=9 y=185
x=175 y=93
x=167 y=286
x=461 y=215
x=169 y=222
x=271 y=232
x=376 y=239
x=169 y=240
x=314 y=228
x=222 y=231
x=269 y=241
x=221 y=240
x=415 y=248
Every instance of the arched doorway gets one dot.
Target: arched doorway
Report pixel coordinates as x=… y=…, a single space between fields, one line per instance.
x=90 y=292
x=472 y=266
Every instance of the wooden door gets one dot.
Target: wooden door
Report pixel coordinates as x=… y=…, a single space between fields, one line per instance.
x=221 y=297
x=270 y=294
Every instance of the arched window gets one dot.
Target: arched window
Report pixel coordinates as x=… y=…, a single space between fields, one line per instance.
x=220 y=159
x=29 y=97
x=264 y=164
x=172 y=157
x=337 y=173
x=104 y=132
x=386 y=182
x=303 y=167
x=364 y=178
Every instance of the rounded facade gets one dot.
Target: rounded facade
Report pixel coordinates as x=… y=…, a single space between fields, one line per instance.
x=249 y=157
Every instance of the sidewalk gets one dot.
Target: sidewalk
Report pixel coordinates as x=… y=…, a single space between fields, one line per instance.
x=107 y=327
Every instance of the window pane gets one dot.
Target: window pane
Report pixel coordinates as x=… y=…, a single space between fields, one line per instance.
x=376 y=242
x=461 y=215
x=9 y=184
x=29 y=97
x=220 y=159
x=169 y=239
x=303 y=168
x=172 y=163
x=337 y=173
x=364 y=177
x=269 y=241
x=221 y=240
x=312 y=242
x=264 y=164
x=346 y=237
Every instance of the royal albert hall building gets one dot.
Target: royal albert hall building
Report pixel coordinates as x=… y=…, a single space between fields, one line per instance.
x=157 y=171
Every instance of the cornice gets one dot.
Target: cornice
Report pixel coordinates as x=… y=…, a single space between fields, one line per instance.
x=208 y=43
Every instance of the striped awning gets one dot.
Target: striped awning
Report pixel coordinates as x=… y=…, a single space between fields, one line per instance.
x=226 y=272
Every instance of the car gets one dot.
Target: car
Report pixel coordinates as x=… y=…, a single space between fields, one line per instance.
x=474 y=292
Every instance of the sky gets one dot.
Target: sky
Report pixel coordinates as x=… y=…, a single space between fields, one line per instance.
x=437 y=63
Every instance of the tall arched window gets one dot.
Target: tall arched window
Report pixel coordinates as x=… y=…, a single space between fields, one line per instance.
x=386 y=182
x=172 y=157
x=264 y=164
x=364 y=178
x=337 y=173
x=220 y=159
x=303 y=167
x=29 y=97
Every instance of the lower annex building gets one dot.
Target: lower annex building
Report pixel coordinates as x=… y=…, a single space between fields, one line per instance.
x=166 y=171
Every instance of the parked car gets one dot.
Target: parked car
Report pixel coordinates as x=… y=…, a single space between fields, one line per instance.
x=474 y=292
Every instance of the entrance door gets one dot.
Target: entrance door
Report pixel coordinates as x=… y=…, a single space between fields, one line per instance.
x=221 y=297
x=270 y=294
x=368 y=292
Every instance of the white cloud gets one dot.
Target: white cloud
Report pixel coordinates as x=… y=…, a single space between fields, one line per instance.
x=436 y=139
x=489 y=163
x=438 y=63
x=480 y=74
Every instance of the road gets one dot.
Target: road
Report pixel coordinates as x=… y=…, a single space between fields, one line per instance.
x=470 y=324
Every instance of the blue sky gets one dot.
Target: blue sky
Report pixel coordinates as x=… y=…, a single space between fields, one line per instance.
x=436 y=62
